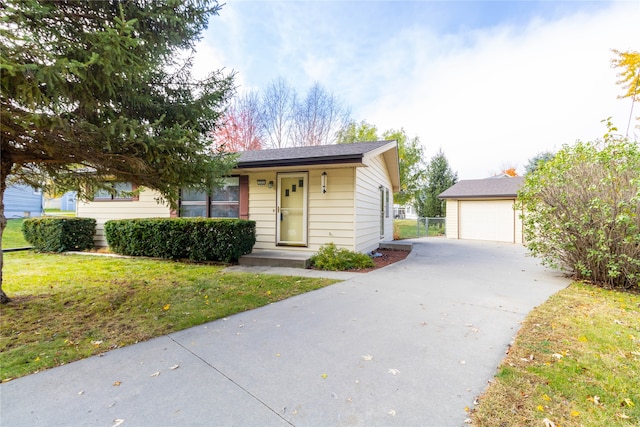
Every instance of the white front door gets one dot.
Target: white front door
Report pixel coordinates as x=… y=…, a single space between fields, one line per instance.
x=291 y=228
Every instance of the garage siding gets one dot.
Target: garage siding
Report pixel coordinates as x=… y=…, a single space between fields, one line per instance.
x=451 y=220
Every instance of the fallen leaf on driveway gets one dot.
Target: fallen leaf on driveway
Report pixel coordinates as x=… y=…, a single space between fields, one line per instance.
x=174 y=367
x=117 y=383
x=392 y=412
x=393 y=371
x=155 y=374
x=367 y=357
x=117 y=422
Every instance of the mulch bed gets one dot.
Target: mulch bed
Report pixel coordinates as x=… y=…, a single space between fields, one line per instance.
x=389 y=256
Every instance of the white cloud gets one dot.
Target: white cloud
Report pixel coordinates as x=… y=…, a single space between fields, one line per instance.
x=487 y=96
x=513 y=92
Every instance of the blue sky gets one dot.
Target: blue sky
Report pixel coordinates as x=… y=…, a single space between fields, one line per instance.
x=490 y=83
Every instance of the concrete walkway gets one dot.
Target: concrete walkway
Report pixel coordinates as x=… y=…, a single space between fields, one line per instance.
x=411 y=344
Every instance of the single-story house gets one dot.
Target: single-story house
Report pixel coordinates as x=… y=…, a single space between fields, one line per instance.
x=300 y=198
x=22 y=201
x=483 y=209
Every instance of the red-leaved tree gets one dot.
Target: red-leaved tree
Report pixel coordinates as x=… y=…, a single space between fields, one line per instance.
x=241 y=129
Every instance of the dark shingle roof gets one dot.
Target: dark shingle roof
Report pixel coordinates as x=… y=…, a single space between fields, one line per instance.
x=483 y=188
x=316 y=155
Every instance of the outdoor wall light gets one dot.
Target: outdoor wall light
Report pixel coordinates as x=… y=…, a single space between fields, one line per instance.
x=323 y=181
x=270 y=184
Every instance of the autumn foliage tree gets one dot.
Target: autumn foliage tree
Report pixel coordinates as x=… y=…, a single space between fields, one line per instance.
x=629 y=65
x=510 y=171
x=410 y=156
x=279 y=118
x=241 y=127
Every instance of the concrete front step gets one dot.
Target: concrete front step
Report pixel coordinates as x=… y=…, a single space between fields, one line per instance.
x=276 y=259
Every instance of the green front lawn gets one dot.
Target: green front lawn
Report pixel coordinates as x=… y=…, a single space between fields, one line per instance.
x=67 y=307
x=575 y=362
x=12 y=236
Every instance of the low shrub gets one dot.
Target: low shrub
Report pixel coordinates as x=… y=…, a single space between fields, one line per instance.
x=59 y=234
x=197 y=239
x=330 y=257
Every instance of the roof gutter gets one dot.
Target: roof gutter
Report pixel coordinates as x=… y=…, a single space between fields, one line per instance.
x=310 y=161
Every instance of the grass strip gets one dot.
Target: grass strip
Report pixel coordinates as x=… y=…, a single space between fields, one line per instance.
x=12 y=236
x=575 y=362
x=68 y=307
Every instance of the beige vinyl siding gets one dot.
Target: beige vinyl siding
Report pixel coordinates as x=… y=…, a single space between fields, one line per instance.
x=145 y=207
x=367 y=195
x=519 y=230
x=331 y=214
x=262 y=209
x=451 y=225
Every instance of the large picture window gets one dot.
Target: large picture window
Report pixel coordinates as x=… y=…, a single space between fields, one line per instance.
x=222 y=202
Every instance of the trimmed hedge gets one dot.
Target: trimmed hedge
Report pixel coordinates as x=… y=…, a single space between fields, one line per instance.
x=198 y=239
x=59 y=234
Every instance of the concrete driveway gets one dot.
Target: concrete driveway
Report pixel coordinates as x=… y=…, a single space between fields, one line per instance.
x=409 y=345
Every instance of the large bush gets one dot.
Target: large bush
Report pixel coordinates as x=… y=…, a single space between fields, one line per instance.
x=198 y=239
x=59 y=234
x=582 y=211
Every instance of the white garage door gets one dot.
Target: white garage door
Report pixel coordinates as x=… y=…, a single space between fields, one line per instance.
x=487 y=220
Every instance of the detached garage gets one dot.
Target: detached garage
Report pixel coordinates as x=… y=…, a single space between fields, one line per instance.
x=483 y=209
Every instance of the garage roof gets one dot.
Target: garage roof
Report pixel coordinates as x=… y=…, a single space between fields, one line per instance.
x=484 y=188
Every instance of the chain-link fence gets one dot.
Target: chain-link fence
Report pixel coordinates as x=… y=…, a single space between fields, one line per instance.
x=420 y=227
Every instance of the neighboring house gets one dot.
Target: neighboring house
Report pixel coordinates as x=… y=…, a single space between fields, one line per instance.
x=22 y=201
x=300 y=198
x=483 y=209
x=404 y=212
x=67 y=202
